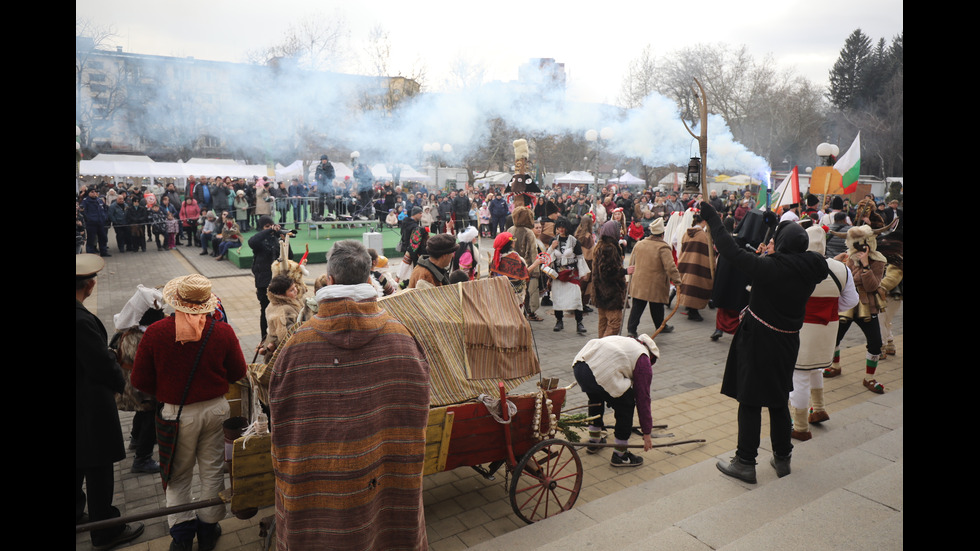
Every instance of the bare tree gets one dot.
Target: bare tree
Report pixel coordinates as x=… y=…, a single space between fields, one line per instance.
x=640 y=80
x=464 y=73
x=92 y=106
x=316 y=42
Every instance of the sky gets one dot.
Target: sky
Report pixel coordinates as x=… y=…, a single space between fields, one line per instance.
x=595 y=40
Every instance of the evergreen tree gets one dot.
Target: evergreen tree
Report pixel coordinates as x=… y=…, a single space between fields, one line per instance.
x=845 y=77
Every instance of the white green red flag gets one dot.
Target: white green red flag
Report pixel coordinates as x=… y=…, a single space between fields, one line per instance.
x=788 y=191
x=848 y=166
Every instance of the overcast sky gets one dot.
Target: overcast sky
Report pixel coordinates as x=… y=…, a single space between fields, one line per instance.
x=595 y=40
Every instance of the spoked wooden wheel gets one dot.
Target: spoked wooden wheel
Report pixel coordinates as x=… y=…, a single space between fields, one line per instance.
x=547 y=481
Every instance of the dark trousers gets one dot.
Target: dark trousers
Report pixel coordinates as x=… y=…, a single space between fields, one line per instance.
x=561 y=315
x=871 y=330
x=636 y=312
x=144 y=433
x=98 y=239
x=263 y=295
x=98 y=482
x=750 y=426
x=622 y=406
x=497 y=225
x=191 y=230
x=122 y=238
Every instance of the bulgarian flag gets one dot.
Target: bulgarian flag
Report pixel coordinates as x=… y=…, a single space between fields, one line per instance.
x=848 y=166
x=788 y=191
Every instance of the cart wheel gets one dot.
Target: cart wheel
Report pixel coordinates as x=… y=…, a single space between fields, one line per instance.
x=547 y=481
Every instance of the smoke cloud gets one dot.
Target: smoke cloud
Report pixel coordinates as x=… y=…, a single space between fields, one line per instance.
x=275 y=111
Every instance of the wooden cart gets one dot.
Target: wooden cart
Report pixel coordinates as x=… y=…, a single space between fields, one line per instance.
x=465 y=360
x=545 y=472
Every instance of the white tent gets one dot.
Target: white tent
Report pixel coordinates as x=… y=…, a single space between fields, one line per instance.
x=491 y=178
x=224 y=167
x=124 y=166
x=627 y=180
x=409 y=174
x=294 y=170
x=577 y=177
x=673 y=179
x=380 y=172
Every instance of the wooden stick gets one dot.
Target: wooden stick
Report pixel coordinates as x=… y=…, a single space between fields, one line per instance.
x=635 y=446
x=672 y=312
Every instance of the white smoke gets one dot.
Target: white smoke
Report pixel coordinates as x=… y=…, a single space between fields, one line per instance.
x=273 y=111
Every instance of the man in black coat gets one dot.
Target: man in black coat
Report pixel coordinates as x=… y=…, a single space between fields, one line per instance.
x=461 y=207
x=324 y=177
x=265 y=250
x=98 y=435
x=759 y=370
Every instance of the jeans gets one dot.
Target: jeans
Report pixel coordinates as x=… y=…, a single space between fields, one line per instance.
x=299 y=211
x=225 y=245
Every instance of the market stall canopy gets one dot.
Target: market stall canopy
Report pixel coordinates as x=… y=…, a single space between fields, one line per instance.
x=627 y=180
x=380 y=172
x=409 y=174
x=673 y=179
x=295 y=170
x=491 y=178
x=743 y=180
x=577 y=177
x=224 y=167
x=142 y=166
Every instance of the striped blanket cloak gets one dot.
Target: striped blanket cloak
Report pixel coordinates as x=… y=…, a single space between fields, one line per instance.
x=694 y=264
x=349 y=402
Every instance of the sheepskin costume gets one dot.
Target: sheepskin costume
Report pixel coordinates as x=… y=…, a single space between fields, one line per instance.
x=295 y=270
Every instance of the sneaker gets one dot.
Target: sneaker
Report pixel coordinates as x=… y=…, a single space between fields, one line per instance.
x=595 y=449
x=627 y=459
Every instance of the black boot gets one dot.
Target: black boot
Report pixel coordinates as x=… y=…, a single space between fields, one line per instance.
x=694 y=315
x=716 y=335
x=579 y=327
x=781 y=464
x=738 y=469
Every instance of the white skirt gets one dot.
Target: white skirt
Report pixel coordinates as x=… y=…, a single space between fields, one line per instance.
x=566 y=296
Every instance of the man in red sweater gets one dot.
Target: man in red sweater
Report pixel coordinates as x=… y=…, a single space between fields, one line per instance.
x=165 y=367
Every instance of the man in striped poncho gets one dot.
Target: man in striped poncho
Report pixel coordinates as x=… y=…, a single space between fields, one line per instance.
x=694 y=264
x=349 y=402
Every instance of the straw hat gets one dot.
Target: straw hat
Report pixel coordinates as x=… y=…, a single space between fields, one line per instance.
x=190 y=294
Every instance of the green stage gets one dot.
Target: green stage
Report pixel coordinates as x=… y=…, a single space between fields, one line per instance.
x=318 y=247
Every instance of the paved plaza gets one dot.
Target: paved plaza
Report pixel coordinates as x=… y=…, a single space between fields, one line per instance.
x=462 y=508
